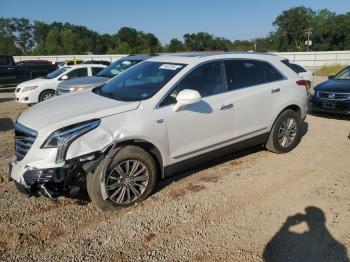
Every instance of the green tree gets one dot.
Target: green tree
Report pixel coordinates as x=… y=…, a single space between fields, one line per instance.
x=7 y=45
x=176 y=45
x=291 y=28
x=53 y=43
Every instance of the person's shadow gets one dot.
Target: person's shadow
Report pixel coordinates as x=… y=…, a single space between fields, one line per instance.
x=316 y=244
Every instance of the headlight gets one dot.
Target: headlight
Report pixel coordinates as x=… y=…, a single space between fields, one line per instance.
x=312 y=91
x=28 y=88
x=76 y=89
x=62 y=138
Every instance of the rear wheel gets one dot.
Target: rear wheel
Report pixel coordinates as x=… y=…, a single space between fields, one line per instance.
x=47 y=94
x=286 y=132
x=130 y=178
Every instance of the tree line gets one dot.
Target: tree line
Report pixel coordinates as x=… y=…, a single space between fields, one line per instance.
x=327 y=30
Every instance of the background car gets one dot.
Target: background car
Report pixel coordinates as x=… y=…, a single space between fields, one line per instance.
x=302 y=72
x=333 y=95
x=12 y=74
x=69 y=62
x=41 y=89
x=99 y=62
x=102 y=77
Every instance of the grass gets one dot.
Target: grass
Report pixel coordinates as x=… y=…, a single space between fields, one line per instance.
x=327 y=70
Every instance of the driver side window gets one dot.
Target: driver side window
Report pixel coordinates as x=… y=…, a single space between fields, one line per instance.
x=207 y=79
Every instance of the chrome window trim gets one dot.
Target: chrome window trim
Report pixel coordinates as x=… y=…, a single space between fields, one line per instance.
x=223 y=60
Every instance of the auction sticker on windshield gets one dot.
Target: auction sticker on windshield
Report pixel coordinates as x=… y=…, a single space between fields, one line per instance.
x=170 y=67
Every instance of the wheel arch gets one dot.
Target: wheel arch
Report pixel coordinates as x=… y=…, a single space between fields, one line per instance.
x=149 y=148
x=45 y=90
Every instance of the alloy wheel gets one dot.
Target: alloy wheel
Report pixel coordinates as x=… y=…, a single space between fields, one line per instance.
x=287 y=132
x=127 y=182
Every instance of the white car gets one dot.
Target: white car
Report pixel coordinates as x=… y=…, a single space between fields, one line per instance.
x=303 y=73
x=40 y=89
x=155 y=119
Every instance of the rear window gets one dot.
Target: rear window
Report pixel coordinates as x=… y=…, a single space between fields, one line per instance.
x=96 y=70
x=245 y=73
x=296 y=68
x=4 y=60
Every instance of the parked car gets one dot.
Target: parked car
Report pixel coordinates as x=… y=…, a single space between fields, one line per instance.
x=69 y=62
x=34 y=62
x=333 y=95
x=102 y=77
x=303 y=73
x=40 y=89
x=99 y=62
x=12 y=74
x=159 y=117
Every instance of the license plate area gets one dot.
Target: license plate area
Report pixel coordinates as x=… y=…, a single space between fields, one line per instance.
x=328 y=105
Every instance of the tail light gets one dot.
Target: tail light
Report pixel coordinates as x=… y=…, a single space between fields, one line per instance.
x=305 y=84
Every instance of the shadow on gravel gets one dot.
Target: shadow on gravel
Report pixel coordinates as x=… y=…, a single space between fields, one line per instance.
x=5 y=99
x=6 y=124
x=304 y=128
x=316 y=244
x=203 y=166
x=7 y=89
x=330 y=116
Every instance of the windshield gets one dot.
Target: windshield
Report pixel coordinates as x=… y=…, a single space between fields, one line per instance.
x=57 y=73
x=343 y=75
x=140 y=82
x=117 y=67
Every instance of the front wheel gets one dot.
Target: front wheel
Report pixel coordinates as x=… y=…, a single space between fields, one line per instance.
x=47 y=94
x=286 y=132
x=130 y=177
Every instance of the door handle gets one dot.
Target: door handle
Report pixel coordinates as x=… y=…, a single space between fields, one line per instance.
x=226 y=106
x=275 y=90
x=10 y=68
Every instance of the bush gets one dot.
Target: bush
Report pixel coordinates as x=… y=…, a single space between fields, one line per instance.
x=327 y=70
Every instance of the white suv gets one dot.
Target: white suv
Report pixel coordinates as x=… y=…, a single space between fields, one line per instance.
x=157 y=118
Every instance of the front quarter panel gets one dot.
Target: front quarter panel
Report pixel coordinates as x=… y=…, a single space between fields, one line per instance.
x=141 y=124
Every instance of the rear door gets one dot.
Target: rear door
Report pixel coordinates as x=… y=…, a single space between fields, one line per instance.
x=257 y=87
x=95 y=70
x=78 y=72
x=7 y=71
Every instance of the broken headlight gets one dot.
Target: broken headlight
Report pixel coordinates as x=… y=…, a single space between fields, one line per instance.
x=62 y=138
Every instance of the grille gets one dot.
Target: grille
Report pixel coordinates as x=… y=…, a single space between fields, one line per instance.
x=333 y=96
x=24 y=139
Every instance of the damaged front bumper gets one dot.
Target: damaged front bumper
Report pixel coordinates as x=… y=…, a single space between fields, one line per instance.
x=55 y=180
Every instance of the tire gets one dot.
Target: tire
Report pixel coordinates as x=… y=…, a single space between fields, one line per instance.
x=276 y=143
x=123 y=156
x=45 y=95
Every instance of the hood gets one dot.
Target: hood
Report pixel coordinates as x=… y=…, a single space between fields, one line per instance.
x=341 y=86
x=86 y=81
x=33 y=82
x=62 y=111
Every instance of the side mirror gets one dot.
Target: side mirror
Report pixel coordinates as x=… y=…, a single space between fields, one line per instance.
x=65 y=77
x=331 y=77
x=186 y=97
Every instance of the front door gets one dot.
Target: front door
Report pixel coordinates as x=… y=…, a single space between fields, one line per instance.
x=204 y=125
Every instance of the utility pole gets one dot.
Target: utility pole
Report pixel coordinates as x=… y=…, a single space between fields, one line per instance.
x=308 y=42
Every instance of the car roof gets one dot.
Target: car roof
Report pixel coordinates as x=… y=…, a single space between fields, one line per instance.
x=138 y=56
x=195 y=58
x=84 y=65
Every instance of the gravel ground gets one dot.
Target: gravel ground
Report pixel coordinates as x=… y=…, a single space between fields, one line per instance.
x=250 y=206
